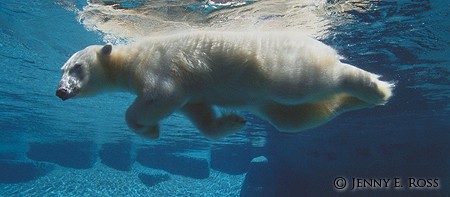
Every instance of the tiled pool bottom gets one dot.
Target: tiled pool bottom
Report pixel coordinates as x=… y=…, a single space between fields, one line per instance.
x=101 y=180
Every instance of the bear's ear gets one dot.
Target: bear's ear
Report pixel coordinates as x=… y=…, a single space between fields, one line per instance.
x=106 y=50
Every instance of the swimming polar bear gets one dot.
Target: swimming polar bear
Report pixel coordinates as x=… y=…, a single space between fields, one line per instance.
x=291 y=80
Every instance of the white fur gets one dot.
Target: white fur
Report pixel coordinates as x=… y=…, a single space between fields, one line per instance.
x=293 y=81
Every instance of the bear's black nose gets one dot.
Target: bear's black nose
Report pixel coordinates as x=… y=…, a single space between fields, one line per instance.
x=62 y=93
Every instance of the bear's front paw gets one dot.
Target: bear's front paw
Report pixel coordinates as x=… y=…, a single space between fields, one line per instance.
x=224 y=126
x=231 y=122
x=151 y=132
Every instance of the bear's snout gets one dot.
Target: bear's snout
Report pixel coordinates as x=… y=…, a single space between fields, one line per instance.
x=62 y=93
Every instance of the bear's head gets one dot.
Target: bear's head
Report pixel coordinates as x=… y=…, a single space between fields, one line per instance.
x=84 y=74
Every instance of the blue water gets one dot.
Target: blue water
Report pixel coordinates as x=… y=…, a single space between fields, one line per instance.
x=83 y=147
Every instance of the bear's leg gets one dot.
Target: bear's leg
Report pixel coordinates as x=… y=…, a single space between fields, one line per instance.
x=209 y=123
x=295 y=118
x=365 y=85
x=150 y=132
x=144 y=114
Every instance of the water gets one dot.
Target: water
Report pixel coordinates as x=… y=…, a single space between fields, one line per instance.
x=83 y=147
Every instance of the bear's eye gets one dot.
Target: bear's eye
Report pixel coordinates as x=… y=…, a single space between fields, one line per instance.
x=77 y=70
x=77 y=66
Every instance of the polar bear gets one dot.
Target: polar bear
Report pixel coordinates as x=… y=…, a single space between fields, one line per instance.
x=291 y=80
